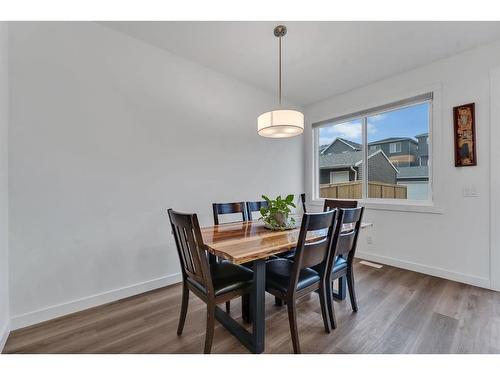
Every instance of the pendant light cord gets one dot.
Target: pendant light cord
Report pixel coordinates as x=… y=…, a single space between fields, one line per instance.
x=279 y=71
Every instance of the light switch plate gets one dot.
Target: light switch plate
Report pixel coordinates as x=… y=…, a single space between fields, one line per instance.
x=470 y=191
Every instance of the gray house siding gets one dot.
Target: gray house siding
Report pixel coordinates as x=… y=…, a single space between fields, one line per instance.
x=379 y=170
x=407 y=148
x=324 y=176
x=423 y=149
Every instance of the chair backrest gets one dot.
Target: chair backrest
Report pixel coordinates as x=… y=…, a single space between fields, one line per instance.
x=345 y=240
x=189 y=243
x=229 y=208
x=254 y=207
x=312 y=253
x=331 y=204
x=303 y=200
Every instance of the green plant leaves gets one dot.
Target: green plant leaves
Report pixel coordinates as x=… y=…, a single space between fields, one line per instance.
x=276 y=215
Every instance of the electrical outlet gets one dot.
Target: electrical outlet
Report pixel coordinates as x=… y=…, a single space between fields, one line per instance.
x=369 y=240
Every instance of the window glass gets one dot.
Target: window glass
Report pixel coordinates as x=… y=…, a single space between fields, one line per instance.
x=400 y=170
x=397 y=158
x=340 y=155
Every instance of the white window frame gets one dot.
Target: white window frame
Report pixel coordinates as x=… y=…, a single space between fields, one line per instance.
x=434 y=138
x=396 y=148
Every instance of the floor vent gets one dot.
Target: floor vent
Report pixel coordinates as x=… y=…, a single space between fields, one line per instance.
x=370 y=264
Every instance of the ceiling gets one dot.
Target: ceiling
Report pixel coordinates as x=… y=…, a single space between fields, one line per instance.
x=320 y=59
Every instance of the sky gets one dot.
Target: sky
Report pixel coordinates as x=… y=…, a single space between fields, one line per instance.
x=404 y=122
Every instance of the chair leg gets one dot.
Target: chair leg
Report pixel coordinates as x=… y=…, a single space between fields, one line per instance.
x=278 y=301
x=324 y=312
x=184 y=307
x=341 y=292
x=209 y=335
x=352 y=292
x=292 y=319
x=329 y=305
x=245 y=308
x=228 y=306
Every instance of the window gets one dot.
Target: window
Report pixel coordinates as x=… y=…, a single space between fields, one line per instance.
x=385 y=140
x=395 y=147
x=342 y=149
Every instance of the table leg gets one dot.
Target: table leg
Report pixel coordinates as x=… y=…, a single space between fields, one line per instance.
x=258 y=298
x=254 y=341
x=341 y=293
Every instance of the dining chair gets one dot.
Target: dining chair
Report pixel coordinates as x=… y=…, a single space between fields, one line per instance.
x=303 y=200
x=213 y=283
x=227 y=209
x=328 y=205
x=289 y=280
x=291 y=253
x=255 y=207
x=331 y=204
x=341 y=257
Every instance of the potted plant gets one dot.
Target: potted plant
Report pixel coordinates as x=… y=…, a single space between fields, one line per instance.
x=276 y=215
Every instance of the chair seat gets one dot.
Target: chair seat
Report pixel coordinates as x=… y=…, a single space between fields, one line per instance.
x=340 y=264
x=278 y=273
x=226 y=277
x=288 y=255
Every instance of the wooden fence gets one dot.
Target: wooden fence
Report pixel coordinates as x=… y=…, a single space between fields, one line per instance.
x=353 y=190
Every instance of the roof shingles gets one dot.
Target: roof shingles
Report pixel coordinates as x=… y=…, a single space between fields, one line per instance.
x=344 y=159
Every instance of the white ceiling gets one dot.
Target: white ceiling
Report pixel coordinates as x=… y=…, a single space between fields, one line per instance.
x=321 y=59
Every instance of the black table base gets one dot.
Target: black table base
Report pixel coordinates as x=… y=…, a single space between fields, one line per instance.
x=253 y=341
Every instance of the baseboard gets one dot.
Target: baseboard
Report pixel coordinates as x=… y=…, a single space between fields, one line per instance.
x=429 y=270
x=4 y=335
x=38 y=316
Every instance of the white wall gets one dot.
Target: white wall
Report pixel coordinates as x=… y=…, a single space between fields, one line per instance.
x=107 y=132
x=453 y=242
x=495 y=178
x=4 y=202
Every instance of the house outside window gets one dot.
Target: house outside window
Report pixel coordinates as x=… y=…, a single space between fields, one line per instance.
x=396 y=140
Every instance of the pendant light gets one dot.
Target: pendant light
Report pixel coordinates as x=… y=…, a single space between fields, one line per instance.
x=280 y=123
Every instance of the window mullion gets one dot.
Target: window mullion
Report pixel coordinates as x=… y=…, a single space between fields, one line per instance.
x=364 y=135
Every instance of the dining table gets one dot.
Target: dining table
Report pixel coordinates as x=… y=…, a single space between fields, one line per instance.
x=250 y=242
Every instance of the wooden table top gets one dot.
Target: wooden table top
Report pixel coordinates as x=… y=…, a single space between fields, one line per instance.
x=243 y=242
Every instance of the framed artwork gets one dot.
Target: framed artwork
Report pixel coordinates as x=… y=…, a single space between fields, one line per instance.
x=465 y=135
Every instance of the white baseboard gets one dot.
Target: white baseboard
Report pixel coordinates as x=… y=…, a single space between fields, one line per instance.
x=429 y=270
x=4 y=334
x=51 y=312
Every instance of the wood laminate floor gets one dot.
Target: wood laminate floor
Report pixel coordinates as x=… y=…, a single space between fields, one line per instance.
x=399 y=312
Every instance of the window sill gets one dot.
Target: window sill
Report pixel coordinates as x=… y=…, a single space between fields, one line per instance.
x=384 y=205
